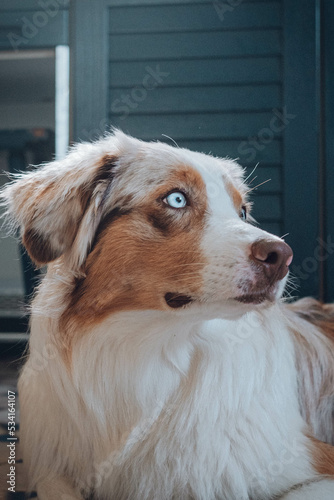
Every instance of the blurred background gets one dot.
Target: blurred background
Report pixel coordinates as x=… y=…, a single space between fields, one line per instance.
x=248 y=79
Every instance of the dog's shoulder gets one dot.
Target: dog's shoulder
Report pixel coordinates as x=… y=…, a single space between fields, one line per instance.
x=317 y=313
x=312 y=327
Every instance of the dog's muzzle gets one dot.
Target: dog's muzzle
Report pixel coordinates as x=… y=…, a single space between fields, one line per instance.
x=270 y=260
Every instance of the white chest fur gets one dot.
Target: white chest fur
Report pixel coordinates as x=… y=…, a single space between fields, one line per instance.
x=165 y=409
x=204 y=412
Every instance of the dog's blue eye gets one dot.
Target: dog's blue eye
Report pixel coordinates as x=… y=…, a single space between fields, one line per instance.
x=243 y=213
x=176 y=200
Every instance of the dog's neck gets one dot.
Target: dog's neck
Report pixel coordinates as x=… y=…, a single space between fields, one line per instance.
x=145 y=356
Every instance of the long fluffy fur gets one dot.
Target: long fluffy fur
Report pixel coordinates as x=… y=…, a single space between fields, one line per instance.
x=124 y=397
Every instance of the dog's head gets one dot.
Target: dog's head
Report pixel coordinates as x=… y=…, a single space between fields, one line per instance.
x=147 y=226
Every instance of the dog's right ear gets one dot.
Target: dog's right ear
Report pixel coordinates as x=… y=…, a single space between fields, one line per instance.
x=58 y=207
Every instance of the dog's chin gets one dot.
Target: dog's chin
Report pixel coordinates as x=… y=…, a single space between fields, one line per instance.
x=256 y=298
x=268 y=295
x=232 y=308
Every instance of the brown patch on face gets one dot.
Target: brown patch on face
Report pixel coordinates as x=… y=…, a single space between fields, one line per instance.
x=323 y=457
x=169 y=220
x=109 y=219
x=134 y=263
x=235 y=195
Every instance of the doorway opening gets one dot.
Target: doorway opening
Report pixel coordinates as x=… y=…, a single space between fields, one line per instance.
x=34 y=128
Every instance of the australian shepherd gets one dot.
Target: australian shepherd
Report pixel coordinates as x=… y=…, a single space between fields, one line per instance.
x=163 y=363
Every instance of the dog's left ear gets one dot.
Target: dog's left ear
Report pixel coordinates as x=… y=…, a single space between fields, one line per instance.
x=58 y=207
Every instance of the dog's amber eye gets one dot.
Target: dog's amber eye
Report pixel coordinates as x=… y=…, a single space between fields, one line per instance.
x=243 y=213
x=176 y=200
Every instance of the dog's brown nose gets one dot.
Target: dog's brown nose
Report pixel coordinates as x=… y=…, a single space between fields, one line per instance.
x=274 y=256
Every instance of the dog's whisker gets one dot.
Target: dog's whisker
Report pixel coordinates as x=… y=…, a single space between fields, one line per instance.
x=258 y=185
x=171 y=139
x=252 y=180
x=252 y=172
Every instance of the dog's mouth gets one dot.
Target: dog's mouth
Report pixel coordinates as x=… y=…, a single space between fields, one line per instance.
x=258 y=297
x=176 y=300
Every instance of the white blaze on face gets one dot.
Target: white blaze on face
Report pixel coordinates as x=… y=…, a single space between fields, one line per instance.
x=227 y=239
